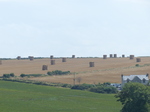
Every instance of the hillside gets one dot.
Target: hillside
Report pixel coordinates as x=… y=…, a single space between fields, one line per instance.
x=20 y=97
x=105 y=70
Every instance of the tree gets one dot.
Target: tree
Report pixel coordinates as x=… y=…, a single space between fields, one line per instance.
x=135 y=97
x=12 y=74
x=22 y=75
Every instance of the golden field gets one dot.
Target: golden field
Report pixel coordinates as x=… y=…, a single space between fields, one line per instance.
x=105 y=70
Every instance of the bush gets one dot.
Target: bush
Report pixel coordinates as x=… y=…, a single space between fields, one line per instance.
x=58 y=72
x=8 y=75
x=67 y=85
x=33 y=75
x=82 y=86
x=104 y=89
x=22 y=75
x=12 y=74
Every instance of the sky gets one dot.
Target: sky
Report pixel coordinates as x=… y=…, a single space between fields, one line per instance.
x=85 y=28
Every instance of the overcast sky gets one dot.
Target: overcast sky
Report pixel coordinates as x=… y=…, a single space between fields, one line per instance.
x=74 y=27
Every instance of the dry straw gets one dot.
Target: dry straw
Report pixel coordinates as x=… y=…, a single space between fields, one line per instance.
x=91 y=64
x=104 y=56
x=44 y=67
x=31 y=58
x=51 y=57
x=123 y=56
x=131 y=56
x=115 y=55
x=111 y=56
x=73 y=56
x=18 y=57
x=52 y=62
x=63 y=59
x=138 y=59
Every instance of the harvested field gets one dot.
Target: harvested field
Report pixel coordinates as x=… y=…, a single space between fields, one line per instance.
x=105 y=70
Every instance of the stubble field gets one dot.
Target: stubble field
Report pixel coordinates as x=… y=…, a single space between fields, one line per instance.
x=105 y=70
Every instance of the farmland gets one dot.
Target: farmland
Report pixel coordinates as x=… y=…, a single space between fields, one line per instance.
x=20 y=97
x=105 y=70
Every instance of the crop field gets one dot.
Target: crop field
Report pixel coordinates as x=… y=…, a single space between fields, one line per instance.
x=21 y=97
x=105 y=70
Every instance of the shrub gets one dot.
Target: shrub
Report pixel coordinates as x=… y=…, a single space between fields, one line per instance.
x=104 y=89
x=12 y=74
x=33 y=75
x=58 y=72
x=82 y=86
x=67 y=85
x=8 y=75
x=22 y=75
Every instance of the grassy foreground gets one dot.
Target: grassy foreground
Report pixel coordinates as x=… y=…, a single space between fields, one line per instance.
x=20 y=97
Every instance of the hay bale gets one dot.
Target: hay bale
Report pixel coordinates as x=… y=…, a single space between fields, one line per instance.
x=115 y=55
x=131 y=57
x=31 y=58
x=63 y=59
x=52 y=62
x=138 y=59
x=73 y=56
x=51 y=57
x=44 y=67
x=111 y=56
x=123 y=56
x=18 y=57
x=91 y=64
x=104 y=56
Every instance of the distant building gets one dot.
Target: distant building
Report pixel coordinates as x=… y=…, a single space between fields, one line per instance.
x=144 y=79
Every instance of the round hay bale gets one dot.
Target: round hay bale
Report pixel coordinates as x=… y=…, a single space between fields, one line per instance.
x=115 y=55
x=138 y=59
x=44 y=67
x=52 y=62
x=51 y=57
x=18 y=57
x=123 y=56
x=104 y=56
x=63 y=59
x=111 y=56
x=73 y=56
x=91 y=64
x=31 y=58
x=131 y=57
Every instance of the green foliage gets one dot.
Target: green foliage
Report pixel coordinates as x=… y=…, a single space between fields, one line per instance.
x=98 y=88
x=31 y=75
x=104 y=89
x=58 y=72
x=106 y=83
x=67 y=85
x=22 y=75
x=82 y=86
x=12 y=74
x=135 y=97
x=8 y=75
x=21 y=97
x=137 y=65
